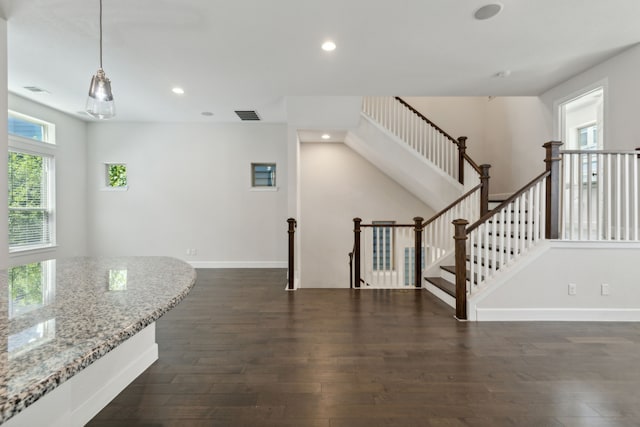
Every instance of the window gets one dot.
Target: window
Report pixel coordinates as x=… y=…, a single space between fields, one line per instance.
x=581 y=120
x=30 y=213
x=383 y=246
x=116 y=175
x=263 y=175
x=30 y=184
x=588 y=140
x=410 y=265
x=588 y=137
x=30 y=128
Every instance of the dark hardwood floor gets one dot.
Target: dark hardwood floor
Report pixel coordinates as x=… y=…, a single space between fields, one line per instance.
x=240 y=351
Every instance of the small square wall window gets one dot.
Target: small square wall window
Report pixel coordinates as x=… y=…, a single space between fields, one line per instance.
x=116 y=176
x=263 y=175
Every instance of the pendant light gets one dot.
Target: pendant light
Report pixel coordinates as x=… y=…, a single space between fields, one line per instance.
x=100 y=100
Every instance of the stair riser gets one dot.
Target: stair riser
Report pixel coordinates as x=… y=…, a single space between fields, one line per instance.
x=447 y=276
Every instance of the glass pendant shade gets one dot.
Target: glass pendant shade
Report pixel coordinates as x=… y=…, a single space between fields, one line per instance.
x=100 y=102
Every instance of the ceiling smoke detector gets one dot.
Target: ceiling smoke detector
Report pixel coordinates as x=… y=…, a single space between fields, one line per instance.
x=487 y=11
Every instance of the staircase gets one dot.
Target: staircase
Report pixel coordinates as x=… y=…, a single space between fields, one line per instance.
x=581 y=196
x=413 y=151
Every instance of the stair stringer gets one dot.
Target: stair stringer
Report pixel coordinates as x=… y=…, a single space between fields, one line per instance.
x=502 y=277
x=395 y=158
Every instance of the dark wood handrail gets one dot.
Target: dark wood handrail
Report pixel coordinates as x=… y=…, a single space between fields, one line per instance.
x=498 y=208
x=473 y=164
x=458 y=200
x=419 y=114
x=387 y=225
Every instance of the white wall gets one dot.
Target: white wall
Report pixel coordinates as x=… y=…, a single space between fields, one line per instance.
x=4 y=209
x=71 y=181
x=539 y=289
x=336 y=186
x=622 y=97
x=505 y=132
x=458 y=116
x=189 y=188
x=516 y=127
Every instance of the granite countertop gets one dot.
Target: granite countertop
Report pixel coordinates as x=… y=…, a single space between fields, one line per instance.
x=59 y=316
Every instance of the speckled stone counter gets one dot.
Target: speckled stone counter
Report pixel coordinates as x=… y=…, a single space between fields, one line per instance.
x=60 y=316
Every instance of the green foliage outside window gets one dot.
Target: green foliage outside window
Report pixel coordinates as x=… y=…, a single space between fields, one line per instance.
x=117 y=175
x=28 y=214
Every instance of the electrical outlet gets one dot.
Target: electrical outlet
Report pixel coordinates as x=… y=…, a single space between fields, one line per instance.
x=188 y=251
x=605 y=289
x=194 y=252
x=572 y=289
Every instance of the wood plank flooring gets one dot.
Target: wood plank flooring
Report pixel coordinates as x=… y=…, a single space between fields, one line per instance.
x=240 y=351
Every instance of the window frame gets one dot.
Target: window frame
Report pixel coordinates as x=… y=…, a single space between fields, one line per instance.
x=49 y=129
x=255 y=187
x=105 y=181
x=43 y=148
x=388 y=253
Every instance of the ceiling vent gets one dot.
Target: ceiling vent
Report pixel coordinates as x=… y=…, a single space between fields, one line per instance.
x=35 y=89
x=248 y=115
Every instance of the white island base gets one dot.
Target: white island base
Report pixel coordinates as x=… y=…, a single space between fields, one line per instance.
x=76 y=401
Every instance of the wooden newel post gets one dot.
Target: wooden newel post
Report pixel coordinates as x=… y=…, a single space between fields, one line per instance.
x=460 y=237
x=291 y=272
x=484 y=191
x=418 y=252
x=356 y=251
x=462 y=149
x=552 y=216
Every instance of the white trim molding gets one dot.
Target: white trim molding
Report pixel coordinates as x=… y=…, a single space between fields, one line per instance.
x=559 y=314
x=238 y=264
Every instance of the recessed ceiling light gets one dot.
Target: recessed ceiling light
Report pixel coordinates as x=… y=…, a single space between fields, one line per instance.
x=207 y=113
x=487 y=11
x=178 y=90
x=328 y=46
x=325 y=136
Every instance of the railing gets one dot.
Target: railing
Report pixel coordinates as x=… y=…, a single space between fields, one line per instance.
x=599 y=191
x=387 y=255
x=437 y=230
x=384 y=254
x=509 y=231
x=498 y=238
x=291 y=263
x=421 y=134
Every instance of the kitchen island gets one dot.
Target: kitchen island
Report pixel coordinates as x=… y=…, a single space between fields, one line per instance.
x=75 y=332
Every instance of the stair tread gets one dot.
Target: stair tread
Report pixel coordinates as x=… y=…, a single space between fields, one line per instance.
x=443 y=284
x=452 y=269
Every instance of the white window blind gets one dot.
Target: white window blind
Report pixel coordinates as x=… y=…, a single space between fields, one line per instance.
x=30 y=204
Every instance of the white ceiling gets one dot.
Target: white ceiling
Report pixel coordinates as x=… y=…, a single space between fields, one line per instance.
x=250 y=54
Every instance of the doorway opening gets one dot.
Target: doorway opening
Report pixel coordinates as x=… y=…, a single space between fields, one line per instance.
x=582 y=121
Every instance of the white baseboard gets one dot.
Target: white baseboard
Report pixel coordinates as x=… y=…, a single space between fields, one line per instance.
x=238 y=264
x=558 y=314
